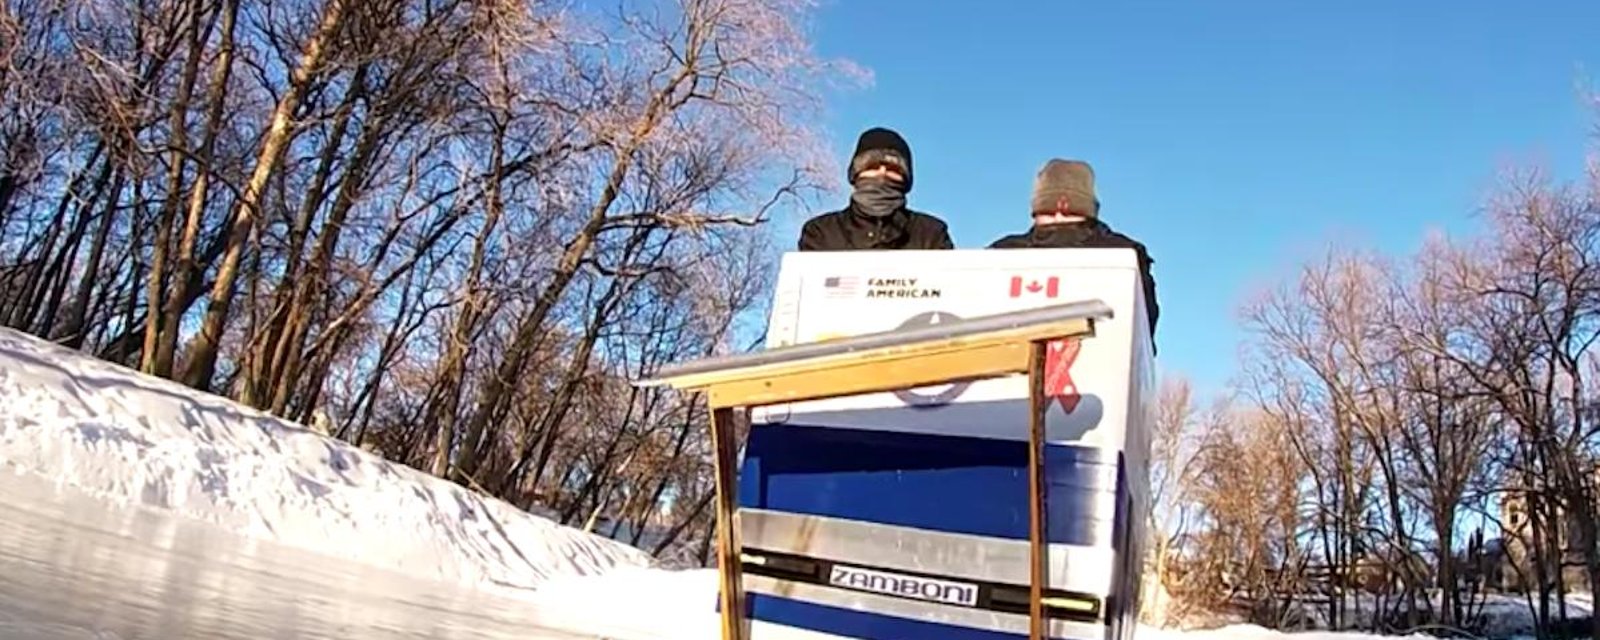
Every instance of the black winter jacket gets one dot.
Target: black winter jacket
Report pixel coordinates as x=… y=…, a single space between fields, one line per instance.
x=845 y=230
x=1089 y=234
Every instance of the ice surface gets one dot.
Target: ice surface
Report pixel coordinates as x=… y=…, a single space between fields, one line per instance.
x=655 y=604
x=136 y=439
x=133 y=438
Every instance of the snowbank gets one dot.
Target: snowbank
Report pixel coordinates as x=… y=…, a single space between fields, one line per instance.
x=1496 y=616
x=1252 y=632
x=133 y=438
x=1513 y=615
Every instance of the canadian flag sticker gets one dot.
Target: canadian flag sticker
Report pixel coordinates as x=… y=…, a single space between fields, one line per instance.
x=1049 y=287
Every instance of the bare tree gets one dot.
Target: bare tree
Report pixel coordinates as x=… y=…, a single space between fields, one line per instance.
x=454 y=231
x=1534 y=325
x=202 y=364
x=1449 y=430
x=1171 y=473
x=1312 y=372
x=1247 y=490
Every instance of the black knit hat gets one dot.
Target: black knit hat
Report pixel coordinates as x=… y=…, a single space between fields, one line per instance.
x=881 y=146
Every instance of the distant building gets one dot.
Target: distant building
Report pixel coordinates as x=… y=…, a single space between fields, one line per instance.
x=1516 y=520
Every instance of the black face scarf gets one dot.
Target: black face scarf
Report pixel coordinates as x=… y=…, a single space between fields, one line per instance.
x=877 y=197
x=1061 y=235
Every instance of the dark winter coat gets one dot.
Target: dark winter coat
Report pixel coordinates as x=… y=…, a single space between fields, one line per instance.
x=845 y=230
x=1089 y=234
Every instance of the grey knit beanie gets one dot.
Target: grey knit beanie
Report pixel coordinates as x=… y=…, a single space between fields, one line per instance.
x=1065 y=186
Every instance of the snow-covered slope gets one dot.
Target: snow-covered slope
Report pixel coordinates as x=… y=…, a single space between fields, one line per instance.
x=133 y=438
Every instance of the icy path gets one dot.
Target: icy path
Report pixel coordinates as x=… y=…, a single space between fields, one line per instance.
x=144 y=443
x=76 y=568
x=652 y=604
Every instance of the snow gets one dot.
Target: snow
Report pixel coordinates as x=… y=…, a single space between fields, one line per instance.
x=1508 y=615
x=1252 y=632
x=1503 y=616
x=136 y=439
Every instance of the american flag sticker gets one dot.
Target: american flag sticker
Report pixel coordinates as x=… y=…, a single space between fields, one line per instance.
x=841 y=286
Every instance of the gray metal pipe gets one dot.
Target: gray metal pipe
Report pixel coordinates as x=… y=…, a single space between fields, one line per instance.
x=1093 y=309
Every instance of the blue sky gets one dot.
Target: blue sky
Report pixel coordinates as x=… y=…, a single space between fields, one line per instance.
x=1233 y=138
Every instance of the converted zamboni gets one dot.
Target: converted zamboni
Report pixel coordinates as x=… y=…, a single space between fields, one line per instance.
x=951 y=446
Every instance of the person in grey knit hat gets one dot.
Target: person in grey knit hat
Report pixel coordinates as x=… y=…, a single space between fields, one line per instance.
x=877 y=217
x=1064 y=189
x=1066 y=215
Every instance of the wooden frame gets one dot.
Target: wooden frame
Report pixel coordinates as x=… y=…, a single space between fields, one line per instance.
x=964 y=350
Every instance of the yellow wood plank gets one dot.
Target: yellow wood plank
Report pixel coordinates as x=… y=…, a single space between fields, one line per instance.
x=872 y=377
x=731 y=575
x=1039 y=575
x=918 y=351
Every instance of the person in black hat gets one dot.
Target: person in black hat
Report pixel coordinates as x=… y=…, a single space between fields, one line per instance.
x=1066 y=215
x=877 y=217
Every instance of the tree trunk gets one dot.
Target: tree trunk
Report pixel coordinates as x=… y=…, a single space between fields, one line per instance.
x=592 y=483
x=53 y=272
x=499 y=387
x=75 y=329
x=688 y=519
x=265 y=343
x=187 y=273
x=202 y=366
x=665 y=477
x=286 y=363
x=175 y=164
x=443 y=408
